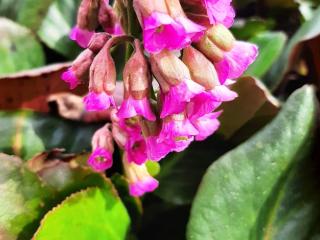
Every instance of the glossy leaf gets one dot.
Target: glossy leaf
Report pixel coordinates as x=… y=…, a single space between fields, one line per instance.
x=307 y=31
x=25 y=133
x=270 y=46
x=56 y=27
x=94 y=213
x=19 y=49
x=247 y=194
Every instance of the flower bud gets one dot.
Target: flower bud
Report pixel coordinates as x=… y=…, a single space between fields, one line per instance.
x=108 y=18
x=140 y=181
x=87 y=22
x=208 y=48
x=79 y=71
x=221 y=37
x=201 y=69
x=97 y=41
x=102 y=145
x=137 y=84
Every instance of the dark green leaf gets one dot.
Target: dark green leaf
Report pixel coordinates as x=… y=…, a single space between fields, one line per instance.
x=95 y=213
x=248 y=193
x=19 y=49
x=25 y=133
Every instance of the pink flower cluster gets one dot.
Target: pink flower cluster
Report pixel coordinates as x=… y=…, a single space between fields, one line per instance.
x=172 y=94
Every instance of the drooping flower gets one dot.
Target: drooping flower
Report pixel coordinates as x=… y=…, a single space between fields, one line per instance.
x=140 y=181
x=136 y=149
x=137 y=84
x=79 y=71
x=108 y=19
x=102 y=81
x=87 y=22
x=175 y=82
x=102 y=146
x=206 y=125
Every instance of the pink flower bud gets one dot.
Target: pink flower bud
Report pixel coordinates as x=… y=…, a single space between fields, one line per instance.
x=208 y=48
x=137 y=84
x=87 y=22
x=140 y=181
x=97 y=41
x=221 y=37
x=108 y=19
x=201 y=69
x=102 y=145
x=79 y=71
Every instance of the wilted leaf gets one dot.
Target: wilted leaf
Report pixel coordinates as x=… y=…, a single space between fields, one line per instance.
x=253 y=192
x=307 y=31
x=25 y=133
x=31 y=89
x=255 y=105
x=270 y=46
x=19 y=49
x=95 y=213
x=56 y=27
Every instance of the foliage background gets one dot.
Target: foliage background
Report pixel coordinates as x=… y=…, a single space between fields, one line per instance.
x=257 y=178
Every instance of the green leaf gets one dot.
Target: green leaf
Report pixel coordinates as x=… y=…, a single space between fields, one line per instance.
x=247 y=194
x=26 y=133
x=270 y=45
x=56 y=27
x=19 y=49
x=251 y=27
x=94 y=213
x=307 y=31
x=32 y=12
x=21 y=201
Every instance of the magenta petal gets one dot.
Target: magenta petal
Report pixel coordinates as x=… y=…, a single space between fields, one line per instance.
x=131 y=108
x=206 y=125
x=160 y=32
x=136 y=150
x=98 y=101
x=100 y=160
x=175 y=100
x=70 y=78
x=194 y=31
x=220 y=11
x=223 y=94
x=237 y=61
x=81 y=36
x=155 y=150
x=137 y=189
x=202 y=104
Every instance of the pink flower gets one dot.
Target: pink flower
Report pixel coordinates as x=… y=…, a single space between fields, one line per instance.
x=206 y=125
x=139 y=188
x=81 y=36
x=140 y=181
x=222 y=93
x=237 y=61
x=220 y=11
x=177 y=131
x=100 y=160
x=133 y=107
x=176 y=99
x=157 y=150
x=70 y=78
x=136 y=149
x=98 y=101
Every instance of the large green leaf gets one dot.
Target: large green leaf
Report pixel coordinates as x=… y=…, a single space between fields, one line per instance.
x=270 y=46
x=94 y=213
x=307 y=31
x=19 y=49
x=26 y=133
x=21 y=198
x=56 y=27
x=253 y=191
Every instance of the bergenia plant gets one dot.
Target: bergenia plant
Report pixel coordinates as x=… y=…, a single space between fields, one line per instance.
x=180 y=64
